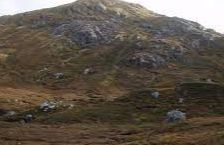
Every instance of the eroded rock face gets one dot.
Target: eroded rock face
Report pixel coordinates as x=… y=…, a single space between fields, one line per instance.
x=88 y=32
x=194 y=34
x=157 y=53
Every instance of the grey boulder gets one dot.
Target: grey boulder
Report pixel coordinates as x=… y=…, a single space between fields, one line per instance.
x=48 y=106
x=176 y=116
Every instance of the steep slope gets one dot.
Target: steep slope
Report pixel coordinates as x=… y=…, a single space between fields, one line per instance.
x=110 y=46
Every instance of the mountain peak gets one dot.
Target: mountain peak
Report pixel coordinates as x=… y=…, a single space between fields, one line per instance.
x=85 y=9
x=106 y=2
x=122 y=43
x=115 y=7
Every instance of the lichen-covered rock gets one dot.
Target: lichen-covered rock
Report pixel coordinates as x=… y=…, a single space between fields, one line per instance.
x=176 y=116
x=48 y=106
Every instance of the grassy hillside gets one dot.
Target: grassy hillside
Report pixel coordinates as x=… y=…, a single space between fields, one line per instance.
x=101 y=61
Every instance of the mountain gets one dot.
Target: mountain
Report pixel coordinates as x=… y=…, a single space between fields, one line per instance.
x=124 y=44
x=108 y=72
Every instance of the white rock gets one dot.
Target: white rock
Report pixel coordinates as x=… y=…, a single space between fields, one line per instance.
x=47 y=106
x=59 y=75
x=209 y=81
x=43 y=105
x=155 y=95
x=10 y=113
x=181 y=100
x=88 y=71
x=71 y=106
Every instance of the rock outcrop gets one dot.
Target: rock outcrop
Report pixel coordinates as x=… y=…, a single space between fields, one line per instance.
x=147 y=60
x=88 y=32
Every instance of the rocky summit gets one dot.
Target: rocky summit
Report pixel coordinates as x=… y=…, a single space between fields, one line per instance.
x=107 y=64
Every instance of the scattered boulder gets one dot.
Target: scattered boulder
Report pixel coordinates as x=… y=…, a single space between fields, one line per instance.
x=28 y=118
x=6 y=113
x=59 y=75
x=181 y=100
x=176 y=116
x=209 y=81
x=155 y=95
x=22 y=122
x=147 y=60
x=10 y=113
x=48 y=106
x=88 y=71
x=44 y=70
x=71 y=106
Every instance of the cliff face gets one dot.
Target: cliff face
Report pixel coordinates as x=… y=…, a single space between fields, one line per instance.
x=106 y=44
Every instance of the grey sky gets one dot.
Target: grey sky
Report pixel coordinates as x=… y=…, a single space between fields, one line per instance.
x=207 y=12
